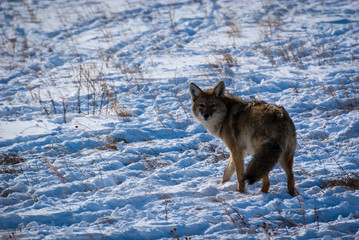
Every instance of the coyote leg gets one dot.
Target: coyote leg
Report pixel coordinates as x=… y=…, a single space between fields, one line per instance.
x=286 y=162
x=238 y=160
x=265 y=184
x=229 y=171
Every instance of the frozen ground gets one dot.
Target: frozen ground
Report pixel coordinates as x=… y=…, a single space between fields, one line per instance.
x=97 y=139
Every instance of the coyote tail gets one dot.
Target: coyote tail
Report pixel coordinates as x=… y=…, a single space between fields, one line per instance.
x=263 y=161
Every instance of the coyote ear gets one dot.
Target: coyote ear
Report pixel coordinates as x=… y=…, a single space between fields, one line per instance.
x=195 y=91
x=219 y=89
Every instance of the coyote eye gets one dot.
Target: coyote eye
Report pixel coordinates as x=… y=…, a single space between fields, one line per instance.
x=201 y=105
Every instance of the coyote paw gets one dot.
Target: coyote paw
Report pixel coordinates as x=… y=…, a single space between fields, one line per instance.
x=224 y=181
x=293 y=192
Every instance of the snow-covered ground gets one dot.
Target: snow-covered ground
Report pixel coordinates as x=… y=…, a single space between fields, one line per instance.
x=97 y=140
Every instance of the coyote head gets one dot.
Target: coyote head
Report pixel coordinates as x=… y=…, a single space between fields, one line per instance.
x=208 y=106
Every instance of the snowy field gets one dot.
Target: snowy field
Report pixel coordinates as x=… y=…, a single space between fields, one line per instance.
x=97 y=140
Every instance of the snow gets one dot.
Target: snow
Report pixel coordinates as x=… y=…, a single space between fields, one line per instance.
x=94 y=97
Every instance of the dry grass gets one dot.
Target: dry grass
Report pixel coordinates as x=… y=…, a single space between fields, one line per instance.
x=270 y=22
x=281 y=48
x=9 y=163
x=344 y=93
x=235 y=29
x=89 y=90
x=10 y=159
x=218 y=154
x=172 y=12
x=92 y=94
x=236 y=218
x=13 y=235
x=173 y=234
x=54 y=169
x=351 y=182
x=223 y=65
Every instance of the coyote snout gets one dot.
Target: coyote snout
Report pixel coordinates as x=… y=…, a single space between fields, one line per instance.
x=248 y=127
x=206 y=112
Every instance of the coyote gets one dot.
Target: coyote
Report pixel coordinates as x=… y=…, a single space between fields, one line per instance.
x=248 y=127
